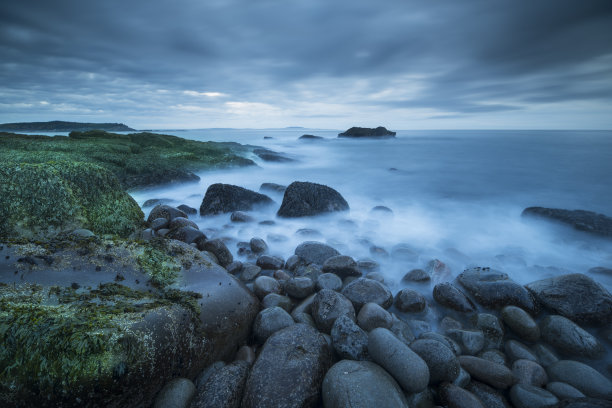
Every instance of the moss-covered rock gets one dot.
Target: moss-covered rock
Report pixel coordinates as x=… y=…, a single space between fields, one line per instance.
x=92 y=322
x=44 y=199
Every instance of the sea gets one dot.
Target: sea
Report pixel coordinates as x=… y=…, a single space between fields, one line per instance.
x=456 y=197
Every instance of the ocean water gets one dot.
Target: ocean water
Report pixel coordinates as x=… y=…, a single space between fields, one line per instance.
x=456 y=196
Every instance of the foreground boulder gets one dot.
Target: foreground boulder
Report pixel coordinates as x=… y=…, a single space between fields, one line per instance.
x=303 y=199
x=127 y=316
x=289 y=370
x=46 y=199
x=575 y=296
x=367 y=132
x=581 y=220
x=224 y=198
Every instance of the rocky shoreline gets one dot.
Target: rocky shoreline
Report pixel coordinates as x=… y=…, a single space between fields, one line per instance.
x=100 y=307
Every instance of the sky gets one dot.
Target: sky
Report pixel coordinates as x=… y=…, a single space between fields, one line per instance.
x=403 y=64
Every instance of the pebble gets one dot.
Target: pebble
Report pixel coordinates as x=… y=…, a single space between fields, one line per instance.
x=270 y=262
x=269 y=321
x=362 y=291
x=327 y=306
x=329 y=281
x=582 y=377
x=496 y=375
x=177 y=393
x=492 y=329
x=315 y=252
x=563 y=390
x=218 y=249
x=494 y=355
x=490 y=397
x=372 y=316
x=456 y=397
x=515 y=350
x=249 y=272
x=521 y=323
x=300 y=287
x=265 y=285
x=569 y=338
x=407 y=300
x=448 y=295
x=349 y=340
x=529 y=396
x=224 y=388
x=416 y=275
x=342 y=266
x=529 y=372
x=470 y=341
x=274 y=299
x=441 y=361
x=258 y=246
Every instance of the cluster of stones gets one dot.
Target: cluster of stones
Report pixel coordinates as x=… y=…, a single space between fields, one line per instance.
x=331 y=333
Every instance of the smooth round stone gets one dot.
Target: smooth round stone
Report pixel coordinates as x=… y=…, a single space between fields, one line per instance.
x=329 y=281
x=470 y=341
x=529 y=372
x=304 y=318
x=258 y=246
x=245 y=353
x=367 y=265
x=423 y=399
x=441 y=361
x=416 y=275
x=224 y=388
x=218 y=249
x=529 y=396
x=206 y=373
x=457 y=397
x=492 y=329
x=270 y=262
x=234 y=268
x=376 y=276
x=316 y=252
x=582 y=377
x=569 y=338
x=179 y=222
x=155 y=225
x=178 y=393
x=448 y=295
x=545 y=355
x=265 y=285
x=408 y=300
x=281 y=275
x=362 y=291
x=563 y=390
x=299 y=287
x=490 y=397
x=408 y=369
x=249 y=272
x=402 y=330
x=496 y=375
x=360 y=384
x=240 y=216
x=274 y=299
x=269 y=321
x=516 y=350
x=312 y=271
x=494 y=355
x=372 y=316
x=342 y=266
x=448 y=342
x=463 y=379
x=521 y=323
x=327 y=306
x=447 y=323
x=349 y=340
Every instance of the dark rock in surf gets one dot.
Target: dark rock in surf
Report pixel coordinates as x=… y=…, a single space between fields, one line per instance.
x=303 y=199
x=310 y=137
x=271 y=156
x=224 y=388
x=315 y=252
x=165 y=211
x=581 y=220
x=224 y=198
x=379 y=132
x=272 y=187
x=187 y=209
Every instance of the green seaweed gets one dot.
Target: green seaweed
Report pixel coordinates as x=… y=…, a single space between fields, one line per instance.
x=161 y=268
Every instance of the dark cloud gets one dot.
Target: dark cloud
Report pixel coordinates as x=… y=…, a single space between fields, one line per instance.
x=138 y=57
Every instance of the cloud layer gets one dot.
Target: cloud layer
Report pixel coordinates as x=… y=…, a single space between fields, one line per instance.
x=236 y=63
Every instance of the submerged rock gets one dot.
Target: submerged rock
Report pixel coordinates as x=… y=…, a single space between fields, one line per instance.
x=581 y=220
x=303 y=199
x=224 y=198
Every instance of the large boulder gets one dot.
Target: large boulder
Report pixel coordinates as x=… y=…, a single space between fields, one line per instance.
x=378 y=132
x=224 y=198
x=289 y=370
x=46 y=199
x=93 y=320
x=303 y=199
x=587 y=221
x=315 y=252
x=575 y=296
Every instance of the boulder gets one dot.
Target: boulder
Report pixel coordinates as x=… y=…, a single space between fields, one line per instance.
x=569 y=338
x=349 y=340
x=408 y=300
x=521 y=323
x=458 y=397
x=272 y=187
x=357 y=132
x=342 y=266
x=441 y=361
x=303 y=199
x=315 y=252
x=165 y=211
x=581 y=220
x=327 y=306
x=529 y=396
x=178 y=393
x=226 y=198
x=575 y=296
x=289 y=370
x=271 y=156
x=372 y=316
x=269 y=321
x=582 y=377
x=224 y=387
x=218 y=248
x=361 y=384
x=496 y=375
x=490 y=397
x=363 y=290
x=448 y=295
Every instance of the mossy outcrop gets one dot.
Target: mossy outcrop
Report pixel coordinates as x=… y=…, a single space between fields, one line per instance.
x=92 y=322
x=136 y=159
x=43 y=199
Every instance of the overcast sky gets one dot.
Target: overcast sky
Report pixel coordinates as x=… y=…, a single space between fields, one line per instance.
x=315 y=63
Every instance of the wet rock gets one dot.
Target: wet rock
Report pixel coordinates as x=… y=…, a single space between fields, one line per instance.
x=448 y=323
x=165 y=211
x=488 y=372
x=563 y=391
x=218 y=248
x=315 y=252
x=224 y=388
x=495 y=289
x=265 y=285
x=234 y=268
x=447 y=341
x=289 y=370
x=367 y=265
x=158 y=224
x=361 y=132
x=407 y=300
x=494 y=355
x=463 y=379
x=585 y=403
x=258 y=246
x=448 y=295
x=269 y=321
x=178 y=393
x=521 y=323
x=304 y=199
x=581 y=220
x=492 y=328
x=272 y=188
x=402 y=330
x=575 y=296
x=312 y=271
x=372 y=316
x=342 y=266
x=417 y=275
x=361 y=384
x=206 y=373
x=582 y=377
x=186 y=234
x=224 y=198
x=327 y=306
x=362 y=291
x=441 y=361
x=178 y=222
x=439 y=271
x=299 y=287
x=569 y=338
x=545 y=356
x=490 y=397
x=457 y=397
x=515 y=350
x=329 y=281
x=240 y=216
x=529 y=372
x=249 y=272
x=529 y=396
x=270 y=262
x=245 y=353
x=274 y=299
x=349 y=340
x=470 y=341
x=187 y=209
x=408 y=369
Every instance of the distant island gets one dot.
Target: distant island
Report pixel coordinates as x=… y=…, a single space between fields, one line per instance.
x=367 y=132
x=61 y=126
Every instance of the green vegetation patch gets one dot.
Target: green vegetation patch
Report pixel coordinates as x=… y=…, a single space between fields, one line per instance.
x=162 y=269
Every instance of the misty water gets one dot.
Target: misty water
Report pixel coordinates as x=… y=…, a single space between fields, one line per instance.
x=456 y=196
